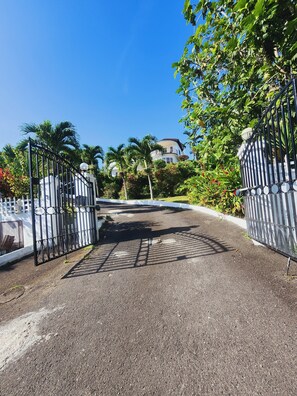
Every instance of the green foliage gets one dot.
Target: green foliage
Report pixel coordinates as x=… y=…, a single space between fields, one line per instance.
x=110 y=187
x=140 y=152
x=159 y=164
x=240 y=53
x=15 y=172
x=119 y=158
x=91 y=155
x=170 y=180
x=137 y=186
x=238 y=56
x=215 y=188
x=62 y=138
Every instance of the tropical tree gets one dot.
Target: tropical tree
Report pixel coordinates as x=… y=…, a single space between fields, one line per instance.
x=140 y=151
x=118 y=158
x=91 y=155
x=238 y=56
x=62 y=138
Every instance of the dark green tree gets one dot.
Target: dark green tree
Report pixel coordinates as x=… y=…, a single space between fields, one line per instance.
x=118 y=158
x=140 y=151
x=239 y=55
x=62 y=138
x=91 y=155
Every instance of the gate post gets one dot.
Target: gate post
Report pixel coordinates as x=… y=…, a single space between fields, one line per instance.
x=32 y=201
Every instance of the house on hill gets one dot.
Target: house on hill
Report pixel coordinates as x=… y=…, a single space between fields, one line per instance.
x=173 y=148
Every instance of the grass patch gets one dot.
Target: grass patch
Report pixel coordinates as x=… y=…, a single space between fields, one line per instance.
x=179 y=199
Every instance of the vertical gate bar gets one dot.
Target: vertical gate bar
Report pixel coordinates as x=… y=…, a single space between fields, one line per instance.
x=264 y=171
x=39 y=204
x=51 y=206
x=291 y=219
x=270 y=150
x=249 y=167
x=295 y=96
x=79 y=193
x=31 y=175
x=265 y=129
x=280 y=143
x=292 y=132
x=59 y=205
x=45 y=207
x=275 y=147
x=255 y=168
x=249 y=170
x=65 y=209
x=83 y=213
x=283 y=117
x=57 y=209
x=94 y=213
x=69 y=216
x=73 y=212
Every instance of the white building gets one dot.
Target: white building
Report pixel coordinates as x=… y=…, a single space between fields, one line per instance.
x=173 y=148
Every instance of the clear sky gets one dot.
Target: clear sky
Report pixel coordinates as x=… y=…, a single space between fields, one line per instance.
x=103 y=65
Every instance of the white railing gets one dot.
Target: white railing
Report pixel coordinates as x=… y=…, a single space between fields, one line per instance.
x=14 y=210
x=12 y=206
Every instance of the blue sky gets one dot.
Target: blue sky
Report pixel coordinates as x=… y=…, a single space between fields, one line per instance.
x=103 y=65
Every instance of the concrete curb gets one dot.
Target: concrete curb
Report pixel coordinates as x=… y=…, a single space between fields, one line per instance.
x=235 y=220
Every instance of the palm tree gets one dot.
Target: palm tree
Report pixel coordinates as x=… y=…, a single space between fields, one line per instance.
x=61 y=139
x=141 y=150
x=118 y=158
x=8 y=153
x=91 y=155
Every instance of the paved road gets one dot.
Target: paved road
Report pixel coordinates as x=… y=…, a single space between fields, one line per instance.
x=171 y=302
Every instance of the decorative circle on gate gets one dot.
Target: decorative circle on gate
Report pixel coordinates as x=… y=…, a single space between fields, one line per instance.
x=60 y=210
x=76 y=209
x=274 y=189
x=295 y=185
x=39 y=211
x=266 y=190
x=253 y=192
x=51 y=210
x=82 y=209
x=88 y=209
x=259 y=191
x=285 y=187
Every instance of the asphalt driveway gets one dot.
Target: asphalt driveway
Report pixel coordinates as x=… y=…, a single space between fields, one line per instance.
x=170 y=302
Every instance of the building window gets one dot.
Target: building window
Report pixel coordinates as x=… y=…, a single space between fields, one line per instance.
x=171 y=149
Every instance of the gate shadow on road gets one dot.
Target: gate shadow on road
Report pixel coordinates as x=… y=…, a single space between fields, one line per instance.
x=135 y=245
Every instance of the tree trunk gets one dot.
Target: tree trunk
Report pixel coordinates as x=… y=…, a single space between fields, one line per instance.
x=150 y=186
x=125 y=188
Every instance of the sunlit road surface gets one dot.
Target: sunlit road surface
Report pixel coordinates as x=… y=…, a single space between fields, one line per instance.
x=170 y=302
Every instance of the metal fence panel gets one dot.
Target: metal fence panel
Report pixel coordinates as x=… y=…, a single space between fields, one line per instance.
x=63 y=214
x=269 y=169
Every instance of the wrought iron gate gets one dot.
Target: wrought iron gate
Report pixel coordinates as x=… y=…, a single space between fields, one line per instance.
x=63 y=206
x=269 y=170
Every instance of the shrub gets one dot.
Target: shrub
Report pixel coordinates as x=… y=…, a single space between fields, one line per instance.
x=216 y=189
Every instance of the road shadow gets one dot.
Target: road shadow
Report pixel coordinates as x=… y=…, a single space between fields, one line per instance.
x=135 y=245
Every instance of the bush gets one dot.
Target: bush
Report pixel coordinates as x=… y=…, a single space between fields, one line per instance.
x=137 y=186
x=110 y=186
x=216 y=189
x=170 y=181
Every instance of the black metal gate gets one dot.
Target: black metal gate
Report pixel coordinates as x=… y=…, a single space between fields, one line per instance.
x=269 y=169
x=63 y=206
